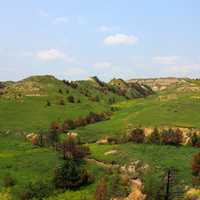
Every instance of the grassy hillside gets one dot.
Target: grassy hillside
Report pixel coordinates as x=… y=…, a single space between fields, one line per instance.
x=178 y=106
x=24 y=104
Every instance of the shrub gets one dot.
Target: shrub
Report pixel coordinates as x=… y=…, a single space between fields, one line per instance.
x=101 y=192
x=48 y=103
x=116 y=188
x=195 y=140
x=137 y=135
x=68 y=125
x=37 y=190
x=62 y=102
x=80 y=122
x=70 y=99
x=71 y=148
x=171 y=137
x=8 y=181
x=154 y=137
x=196 y=168
x=71 y=175
x=78 y=101
x=55 y=126
x=60 y=91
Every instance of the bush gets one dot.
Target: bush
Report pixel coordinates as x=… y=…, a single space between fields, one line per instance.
x=8 y=181
x=71 y=148
x=48 y=103
x=117 y=189
x=137 y=135
x=195 y=140
x=55 y=127
x=62 y=102
x=171 y=137
x=154 y=137
x=37 y=190
x=70 y=99
x=60 y=91
x=71 y=175
x=68 y=125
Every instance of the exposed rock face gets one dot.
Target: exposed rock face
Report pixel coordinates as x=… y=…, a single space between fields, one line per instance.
x=158 y=84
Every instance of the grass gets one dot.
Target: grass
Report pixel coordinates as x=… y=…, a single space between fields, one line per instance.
x=147 y=112
x=26 y=164
x=156 y=156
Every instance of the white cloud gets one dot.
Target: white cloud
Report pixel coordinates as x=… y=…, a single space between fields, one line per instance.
x=121 y=39
x=43 y=13
x=60 y=20
x=166 y=60
x=52 y=55
x=102 y=65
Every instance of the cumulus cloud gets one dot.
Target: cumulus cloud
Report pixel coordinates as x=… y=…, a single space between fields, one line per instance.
x=102 y=65
x=166 y=60
x=60 y=20
x=52 y=55
x=121 y=39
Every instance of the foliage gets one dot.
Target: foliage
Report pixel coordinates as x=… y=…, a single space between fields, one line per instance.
x=171 y=137
x=137 y=135
x=195 y=140
x=71 y=99
x=71 y=175
x=35 y=190
x=117 y=189
x=154 y=137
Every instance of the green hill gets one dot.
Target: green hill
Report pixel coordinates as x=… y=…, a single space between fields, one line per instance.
x=35 y=102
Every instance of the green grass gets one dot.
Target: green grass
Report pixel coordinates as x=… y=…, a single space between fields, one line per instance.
x=147 y=112
x=26 y=164
x=157 y=156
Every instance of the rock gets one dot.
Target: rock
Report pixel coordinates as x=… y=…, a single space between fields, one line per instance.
x=102 y=141
x=72 y=134
x=110 y=152
x=30 y=136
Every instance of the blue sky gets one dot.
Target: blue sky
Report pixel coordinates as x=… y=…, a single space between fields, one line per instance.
x=74 y=39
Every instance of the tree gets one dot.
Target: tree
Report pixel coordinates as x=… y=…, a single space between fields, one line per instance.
x=48 y=103
x=70 y=175
x=101 y=192
x=70 y=99
x=71 y=148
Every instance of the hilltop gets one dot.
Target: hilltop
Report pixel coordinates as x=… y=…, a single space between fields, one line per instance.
x=159 y=84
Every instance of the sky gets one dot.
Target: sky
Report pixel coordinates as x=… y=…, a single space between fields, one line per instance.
x=75 y=39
